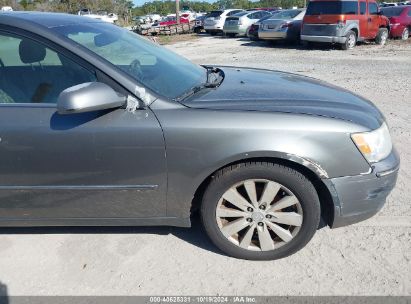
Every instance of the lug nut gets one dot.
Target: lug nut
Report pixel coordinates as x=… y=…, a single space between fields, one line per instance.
x=249 y=209
x=249 y=220
x=262 y=207
x=268 y=216
x=260 y=224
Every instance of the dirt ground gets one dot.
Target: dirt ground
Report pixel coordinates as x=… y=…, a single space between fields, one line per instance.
x=370 y=258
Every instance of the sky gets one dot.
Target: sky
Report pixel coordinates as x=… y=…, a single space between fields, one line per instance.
x=141 y=2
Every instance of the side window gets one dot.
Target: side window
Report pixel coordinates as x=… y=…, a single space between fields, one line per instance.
x=409 y=12
x=30 y=72
x=363 y=8
x=257 y=15
x=372 y=8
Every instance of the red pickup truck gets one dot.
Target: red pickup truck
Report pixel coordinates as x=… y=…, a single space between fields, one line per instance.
x=344 y=22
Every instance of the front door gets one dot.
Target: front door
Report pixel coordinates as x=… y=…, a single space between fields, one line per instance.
x=103 y=164
x=373 y=24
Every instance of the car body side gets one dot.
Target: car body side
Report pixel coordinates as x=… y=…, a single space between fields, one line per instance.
x=200 y=141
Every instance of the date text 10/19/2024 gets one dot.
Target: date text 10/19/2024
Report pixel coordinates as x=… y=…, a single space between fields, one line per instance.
x=199 y=299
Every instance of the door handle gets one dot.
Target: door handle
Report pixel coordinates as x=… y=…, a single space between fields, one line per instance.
x=369 y=19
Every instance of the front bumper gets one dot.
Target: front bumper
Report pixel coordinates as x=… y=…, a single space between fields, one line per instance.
x=357 y=198
x=328 y=39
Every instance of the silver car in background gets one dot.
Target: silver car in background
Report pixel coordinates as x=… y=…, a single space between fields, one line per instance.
x=215 y=20
x=285 y=25
x=239 y=23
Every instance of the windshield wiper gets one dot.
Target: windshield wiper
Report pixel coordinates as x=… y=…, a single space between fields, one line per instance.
x=214 y=79
x=191 y=92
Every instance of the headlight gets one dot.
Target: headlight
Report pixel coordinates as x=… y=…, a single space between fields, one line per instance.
x=375 y=145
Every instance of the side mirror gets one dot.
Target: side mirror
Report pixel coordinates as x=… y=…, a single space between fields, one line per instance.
x=87 y=97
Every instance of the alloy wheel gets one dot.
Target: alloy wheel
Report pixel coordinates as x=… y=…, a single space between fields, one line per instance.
x=384 y=37
x=351 y=41
x=259 y=215
x=405 y=34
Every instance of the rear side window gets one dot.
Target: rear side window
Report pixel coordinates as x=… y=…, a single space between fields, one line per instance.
x=373 y=8
x=363 y=8
x=332 y=8
x=214 y=14
x=234 y=12
x=392 y=11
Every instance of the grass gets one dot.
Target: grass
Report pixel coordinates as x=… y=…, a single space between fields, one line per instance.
x=171 y=39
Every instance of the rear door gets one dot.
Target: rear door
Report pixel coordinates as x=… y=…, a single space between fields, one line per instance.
x=373 y=24
x=363 y=19
x=102 y=164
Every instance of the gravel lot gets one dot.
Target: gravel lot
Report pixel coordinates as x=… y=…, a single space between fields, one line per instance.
x=370 y=258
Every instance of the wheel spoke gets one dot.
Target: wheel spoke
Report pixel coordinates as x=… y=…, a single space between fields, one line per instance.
x=270 y=191
x=252 y=193
x=283 y=203
x=235 y=198
x=230 y=212
x=266 y=242
x=283 y=234
x=234 y=227
x=288 y=218
x=246 y=241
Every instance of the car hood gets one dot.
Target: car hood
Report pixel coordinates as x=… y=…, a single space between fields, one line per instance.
x=271 y=91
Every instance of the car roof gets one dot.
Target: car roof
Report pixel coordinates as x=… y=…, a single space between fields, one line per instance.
x=47 y=20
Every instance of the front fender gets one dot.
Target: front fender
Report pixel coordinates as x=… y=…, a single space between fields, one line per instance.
x=201 y=141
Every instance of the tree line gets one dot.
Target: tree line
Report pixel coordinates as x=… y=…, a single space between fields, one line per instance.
x=168 y=7
x=123 y=8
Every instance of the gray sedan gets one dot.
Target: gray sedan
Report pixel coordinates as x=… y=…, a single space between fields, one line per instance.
x=285 y=25
x=99 y=126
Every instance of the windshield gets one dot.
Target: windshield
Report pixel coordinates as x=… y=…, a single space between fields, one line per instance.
x=332 y=8
x=157 y=68
x=266 y=17
x=288 y=14
x=392 y=11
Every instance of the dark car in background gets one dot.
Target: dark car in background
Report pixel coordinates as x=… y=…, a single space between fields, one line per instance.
x=285 y=25
x=400 y=20
x=100 y=126
x=199 y=24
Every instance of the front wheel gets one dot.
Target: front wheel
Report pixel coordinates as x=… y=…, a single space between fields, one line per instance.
x=260 y=211
x=382 y=36
x=350 y=41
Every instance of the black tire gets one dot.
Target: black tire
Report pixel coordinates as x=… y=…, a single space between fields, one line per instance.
x=213 y=33
x=382 y=36
x=230 y=35
x=350 y=42
x=290 y=178
x=197 y=30
x=307 y=44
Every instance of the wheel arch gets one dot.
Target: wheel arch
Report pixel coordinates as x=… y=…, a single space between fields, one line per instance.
x=312 y=172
